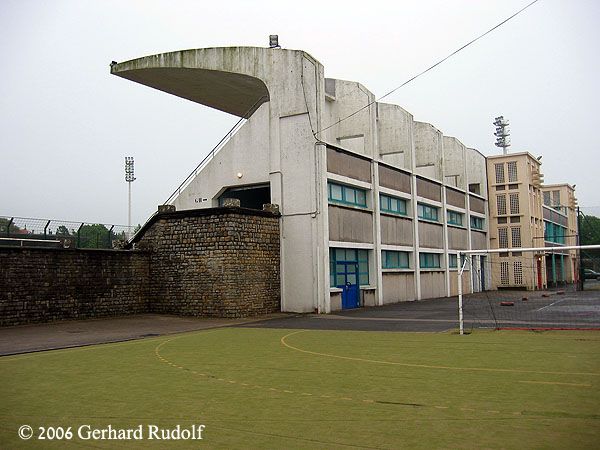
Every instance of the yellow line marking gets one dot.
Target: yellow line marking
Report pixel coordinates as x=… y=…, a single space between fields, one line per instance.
x=258 y=387
x=423 y=366
x=557 y=383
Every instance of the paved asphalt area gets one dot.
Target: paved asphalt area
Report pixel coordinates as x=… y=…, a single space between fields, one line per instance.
x=78 y=333
x=425 y=315
x=482 y=310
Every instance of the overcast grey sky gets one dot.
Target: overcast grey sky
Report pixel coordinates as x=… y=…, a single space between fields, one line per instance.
x=66 y=124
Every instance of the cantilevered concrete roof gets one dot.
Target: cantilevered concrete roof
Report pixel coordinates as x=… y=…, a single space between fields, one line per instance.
x=229 y=79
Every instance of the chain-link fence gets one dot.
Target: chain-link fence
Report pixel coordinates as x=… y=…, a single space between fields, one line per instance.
x=30 y=232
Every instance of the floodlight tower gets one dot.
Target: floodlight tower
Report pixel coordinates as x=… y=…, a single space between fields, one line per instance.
x=502 y=133
x=129 y=178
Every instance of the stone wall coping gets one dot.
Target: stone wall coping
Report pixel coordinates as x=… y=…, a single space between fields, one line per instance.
x=219 y=211
x=62 y=249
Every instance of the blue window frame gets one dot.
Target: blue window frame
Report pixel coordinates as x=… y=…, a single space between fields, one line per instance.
x=477 y=223
x=427 y=212
x=554 y=233
x=391 y=259
x=340 y=258
x=429 y=260
x=346 y=195
x=392 y=205
x=454 y=218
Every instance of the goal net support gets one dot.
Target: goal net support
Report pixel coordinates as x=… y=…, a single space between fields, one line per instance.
x=527 y=288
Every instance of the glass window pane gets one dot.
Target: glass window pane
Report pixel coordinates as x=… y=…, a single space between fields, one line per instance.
x=351 y=278
x=364 y=279
x=340 y=280
x=340 y=254
x=336 y=192
x=350 y=255
x=385 y=202
x=362 y=255
x=361 y=197
x=402 y=206
x=403 y=259
x=350 y=195
x=350 y=268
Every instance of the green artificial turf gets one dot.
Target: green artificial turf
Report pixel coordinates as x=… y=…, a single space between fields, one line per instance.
x=317 y=389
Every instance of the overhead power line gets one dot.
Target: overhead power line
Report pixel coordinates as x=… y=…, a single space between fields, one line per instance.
x=431 y=67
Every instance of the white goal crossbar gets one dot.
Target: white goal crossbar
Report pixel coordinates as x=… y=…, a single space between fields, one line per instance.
x=503 y=250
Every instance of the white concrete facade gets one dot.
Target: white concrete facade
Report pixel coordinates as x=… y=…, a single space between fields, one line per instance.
x=298 y=139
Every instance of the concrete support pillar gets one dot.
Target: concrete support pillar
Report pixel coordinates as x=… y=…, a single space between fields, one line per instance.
x=377 y=234
x=322 y=225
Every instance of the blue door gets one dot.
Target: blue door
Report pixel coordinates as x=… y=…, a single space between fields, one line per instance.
x=348 y=273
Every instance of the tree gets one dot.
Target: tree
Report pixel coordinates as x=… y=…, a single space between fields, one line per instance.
x=93 y=236
x=4 y=225
x=62 y=231
x=589 y=231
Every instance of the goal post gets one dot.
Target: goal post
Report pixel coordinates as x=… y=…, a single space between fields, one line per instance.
x=466 y=259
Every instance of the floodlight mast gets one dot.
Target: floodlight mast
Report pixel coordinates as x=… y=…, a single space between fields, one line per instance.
x=129 y=178
x=502 y=133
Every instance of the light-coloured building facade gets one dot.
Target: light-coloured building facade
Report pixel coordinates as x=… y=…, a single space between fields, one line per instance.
x=560 y=229
x=525 y=213
x=375 y=205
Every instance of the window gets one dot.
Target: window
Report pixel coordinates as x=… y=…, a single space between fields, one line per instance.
x=554 y=233
x=503 y=237
x=555 y=198
x=512 y=171
x=394 y=260
x=392 y=204
x=518 y=272
x=501 y=204
x=547 y=201
x=346 y=195
x=516 y=236
x=499 y=173
x=453 y=261
x=427 y=212
x=429 y=260
x=475 y=188
x=514 y=203
x=343 y=263
x=477 y=223
x=504 y=273
x=454 y=218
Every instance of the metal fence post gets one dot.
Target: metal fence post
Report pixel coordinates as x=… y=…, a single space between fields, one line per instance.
x=79 y=236
x=46 y=229
x=8 y=226
x=110 y=236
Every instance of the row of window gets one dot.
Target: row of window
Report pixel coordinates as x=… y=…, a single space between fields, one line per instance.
x=515 y=234
x=512 y=172
x=351 y=261
x=513 y=203
x=554 y=233
x=342 y=194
